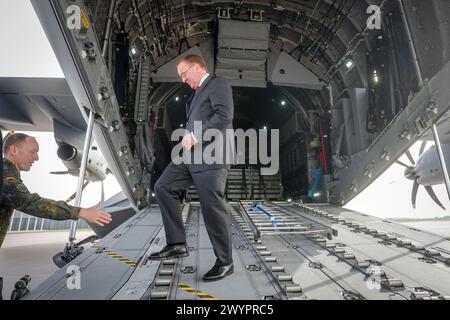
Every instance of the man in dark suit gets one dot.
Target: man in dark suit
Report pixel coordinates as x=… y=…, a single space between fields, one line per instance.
x=212 y=105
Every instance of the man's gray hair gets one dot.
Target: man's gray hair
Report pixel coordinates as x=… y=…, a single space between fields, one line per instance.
x=193 y=58
x=13 y=139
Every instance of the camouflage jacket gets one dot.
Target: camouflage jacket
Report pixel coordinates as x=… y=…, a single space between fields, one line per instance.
x=16 y=196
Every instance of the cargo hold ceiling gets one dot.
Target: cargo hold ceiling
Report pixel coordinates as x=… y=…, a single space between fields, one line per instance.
x=314 y=32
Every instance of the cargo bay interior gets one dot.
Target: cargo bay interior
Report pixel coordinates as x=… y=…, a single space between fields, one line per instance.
x=331 y=75
x=349 y=84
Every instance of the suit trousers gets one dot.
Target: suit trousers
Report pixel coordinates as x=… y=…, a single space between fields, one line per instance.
x=210 y=186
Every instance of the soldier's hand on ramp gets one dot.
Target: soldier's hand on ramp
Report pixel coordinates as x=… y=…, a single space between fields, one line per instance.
x=95 y=216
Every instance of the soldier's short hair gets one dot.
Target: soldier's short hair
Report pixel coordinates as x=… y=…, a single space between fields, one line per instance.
x=193 y=58
x=13 y=139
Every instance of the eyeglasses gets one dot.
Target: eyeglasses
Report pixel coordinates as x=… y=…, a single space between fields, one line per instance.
x=181 y=75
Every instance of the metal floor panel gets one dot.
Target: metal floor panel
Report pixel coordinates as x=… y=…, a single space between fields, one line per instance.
x=282 y=266
x=238 y=286
x=102 y=275
x=341 y=277
x=314 y=282
x=413 y=268
x=423 y=237
x=320 y=274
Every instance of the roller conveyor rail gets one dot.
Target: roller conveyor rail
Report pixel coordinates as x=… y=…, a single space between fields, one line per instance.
x=288 y=263
x=268 y=218
x=429 y=254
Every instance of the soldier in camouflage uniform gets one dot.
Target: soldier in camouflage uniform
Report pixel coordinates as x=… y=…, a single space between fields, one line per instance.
x=20 y=152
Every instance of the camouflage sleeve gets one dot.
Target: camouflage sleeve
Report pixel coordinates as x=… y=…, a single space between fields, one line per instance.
x=31 y=203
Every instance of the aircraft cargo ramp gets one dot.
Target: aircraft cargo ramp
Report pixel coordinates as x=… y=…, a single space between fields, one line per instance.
x=280 y=251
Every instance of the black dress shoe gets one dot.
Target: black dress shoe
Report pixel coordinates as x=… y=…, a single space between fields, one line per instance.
x=170 y=251
x=217 y=273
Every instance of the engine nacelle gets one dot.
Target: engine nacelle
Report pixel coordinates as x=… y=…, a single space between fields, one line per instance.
x=96 y=169
x=429 y=167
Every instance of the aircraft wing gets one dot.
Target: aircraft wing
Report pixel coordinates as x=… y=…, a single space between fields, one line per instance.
x=32 y=104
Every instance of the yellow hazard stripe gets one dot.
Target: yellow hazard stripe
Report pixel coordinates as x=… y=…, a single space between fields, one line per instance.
x=202 y=295
x=121 y=259
x=85 y=20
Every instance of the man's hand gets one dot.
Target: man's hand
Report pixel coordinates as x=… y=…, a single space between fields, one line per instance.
x=95 y=216
x=188 y=141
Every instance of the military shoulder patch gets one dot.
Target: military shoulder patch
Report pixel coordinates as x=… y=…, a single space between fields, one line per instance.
x=21 y=188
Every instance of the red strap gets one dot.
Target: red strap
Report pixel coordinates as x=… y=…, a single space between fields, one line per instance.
x=323 y=153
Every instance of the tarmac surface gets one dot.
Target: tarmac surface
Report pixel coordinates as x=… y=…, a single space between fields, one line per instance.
x=30 y=253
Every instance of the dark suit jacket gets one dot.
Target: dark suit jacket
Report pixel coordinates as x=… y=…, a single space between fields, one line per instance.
x=213 y=106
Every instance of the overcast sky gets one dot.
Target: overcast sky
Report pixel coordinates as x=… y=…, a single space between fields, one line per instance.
x=25 y=49
x=27 y=53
